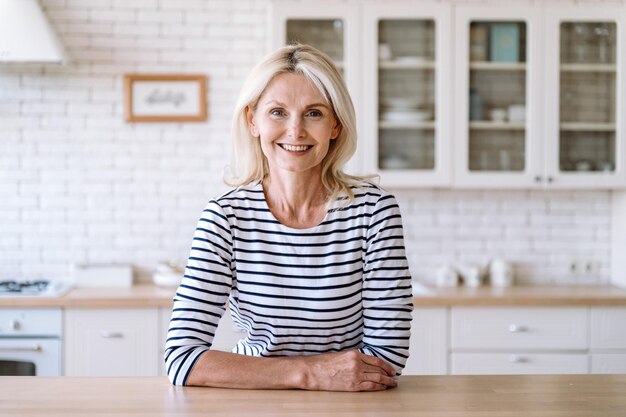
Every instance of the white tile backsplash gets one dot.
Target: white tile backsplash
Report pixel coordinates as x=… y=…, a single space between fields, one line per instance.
x=78 y=184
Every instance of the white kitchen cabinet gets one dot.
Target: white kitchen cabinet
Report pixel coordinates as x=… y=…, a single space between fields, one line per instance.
x=608 y=363
x=429 y=342
x=111 y=342
x=477 y=94
x=518 y=363
x=608 y=340
x=514 y=328
x=519 y=340
x=548 y=112
x=586 y=96
x=406 y=110
x=498 y=95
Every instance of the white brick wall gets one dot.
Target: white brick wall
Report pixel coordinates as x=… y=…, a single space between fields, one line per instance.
x=78 y=184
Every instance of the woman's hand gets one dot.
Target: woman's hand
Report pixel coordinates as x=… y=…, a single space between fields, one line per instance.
x=348 y=371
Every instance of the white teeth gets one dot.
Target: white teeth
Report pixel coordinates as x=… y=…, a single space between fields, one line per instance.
x=295 y=148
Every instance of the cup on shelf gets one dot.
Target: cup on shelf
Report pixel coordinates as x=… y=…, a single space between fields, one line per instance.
x=517 y=113
x=498 y=115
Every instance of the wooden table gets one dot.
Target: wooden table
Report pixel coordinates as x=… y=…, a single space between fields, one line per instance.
x=417 y=396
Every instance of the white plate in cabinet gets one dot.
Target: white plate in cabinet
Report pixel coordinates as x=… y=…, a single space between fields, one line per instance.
x=519 y=328
x=518 y=363
x=111 y=342
x=608 y=328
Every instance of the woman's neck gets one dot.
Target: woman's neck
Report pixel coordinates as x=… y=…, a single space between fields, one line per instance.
x=297 y=201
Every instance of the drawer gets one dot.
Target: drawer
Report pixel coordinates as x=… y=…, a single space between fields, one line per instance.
x=608 y=363
x=518 y=363
x=608 y=328
x=30 y=322
x=117 y=342
x=519 y=328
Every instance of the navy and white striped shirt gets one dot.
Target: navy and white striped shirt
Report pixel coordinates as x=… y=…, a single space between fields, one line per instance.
x=343 y=284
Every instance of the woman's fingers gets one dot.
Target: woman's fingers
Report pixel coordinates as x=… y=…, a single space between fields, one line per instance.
x=379 y=363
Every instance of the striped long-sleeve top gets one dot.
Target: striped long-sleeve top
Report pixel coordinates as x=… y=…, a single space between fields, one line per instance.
x=343 y=284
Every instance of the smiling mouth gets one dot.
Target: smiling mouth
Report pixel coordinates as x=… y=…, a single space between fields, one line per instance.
x=295 y=148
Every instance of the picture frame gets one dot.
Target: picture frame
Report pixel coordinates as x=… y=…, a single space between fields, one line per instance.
x=165 y=97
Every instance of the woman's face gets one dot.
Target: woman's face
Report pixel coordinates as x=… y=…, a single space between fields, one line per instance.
x=294 y=124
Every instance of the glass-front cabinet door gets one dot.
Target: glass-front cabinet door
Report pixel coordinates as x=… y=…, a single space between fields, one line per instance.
x=333 y=28
x=498 y=97
x=406 y=90
x=586 y=97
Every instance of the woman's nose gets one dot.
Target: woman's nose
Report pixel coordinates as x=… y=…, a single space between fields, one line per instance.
x=295 y=128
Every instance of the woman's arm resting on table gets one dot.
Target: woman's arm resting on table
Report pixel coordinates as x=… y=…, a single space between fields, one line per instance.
x=339 y=371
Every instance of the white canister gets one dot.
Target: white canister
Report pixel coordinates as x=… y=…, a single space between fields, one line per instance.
x=447 y=276
x=501 y=273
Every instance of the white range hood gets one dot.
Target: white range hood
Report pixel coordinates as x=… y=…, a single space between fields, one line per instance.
x=26 y=34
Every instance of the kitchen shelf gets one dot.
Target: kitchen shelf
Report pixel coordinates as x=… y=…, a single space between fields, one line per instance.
x=406 y=65
x=488 y=125
x=588 y=68
x=588 y=127
x=383 y=124
x=498 y=66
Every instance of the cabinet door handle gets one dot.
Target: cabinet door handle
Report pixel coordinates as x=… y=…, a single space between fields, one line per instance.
x=518 y=359
x=550 y=179
x=516 y=328
x=537 y=178
x=33 y=348
x=111 y=335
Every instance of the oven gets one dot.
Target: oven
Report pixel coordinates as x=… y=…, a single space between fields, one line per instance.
x=31 y=341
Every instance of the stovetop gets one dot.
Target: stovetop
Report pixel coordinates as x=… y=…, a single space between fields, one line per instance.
x=35 y=288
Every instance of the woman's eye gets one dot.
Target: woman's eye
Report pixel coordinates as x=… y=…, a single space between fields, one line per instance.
x=277 y=112
x=315 y=113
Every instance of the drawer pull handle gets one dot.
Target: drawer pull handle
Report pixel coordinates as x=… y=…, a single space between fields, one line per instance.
x=111 y=335
x=518 y=359
x=34 y=348
x=515 y=328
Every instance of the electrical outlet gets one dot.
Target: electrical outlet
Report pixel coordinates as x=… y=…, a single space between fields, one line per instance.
x=583 y=268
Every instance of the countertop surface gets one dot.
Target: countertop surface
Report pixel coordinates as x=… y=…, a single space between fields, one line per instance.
x=416 y=396
x=141 y=296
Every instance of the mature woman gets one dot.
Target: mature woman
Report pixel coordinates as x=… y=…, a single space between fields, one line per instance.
x=311 y=260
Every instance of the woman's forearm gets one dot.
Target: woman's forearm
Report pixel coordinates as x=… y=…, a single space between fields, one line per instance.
x=231 y=370
x=339 y=371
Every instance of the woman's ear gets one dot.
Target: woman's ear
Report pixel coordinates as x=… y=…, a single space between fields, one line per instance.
x=251 y=125
x=334 y=134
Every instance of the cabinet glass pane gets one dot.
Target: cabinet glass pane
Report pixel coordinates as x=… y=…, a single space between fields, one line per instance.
x=587 y=96
x=406 y=94
x=497 y=96
x=323 y=34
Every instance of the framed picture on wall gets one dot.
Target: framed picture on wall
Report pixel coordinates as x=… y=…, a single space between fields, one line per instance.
x=165 y=97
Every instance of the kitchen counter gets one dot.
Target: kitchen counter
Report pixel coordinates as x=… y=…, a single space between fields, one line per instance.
x=416 y=396
x=146 y=295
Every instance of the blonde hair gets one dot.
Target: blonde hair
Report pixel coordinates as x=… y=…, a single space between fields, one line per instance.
x=248 y=161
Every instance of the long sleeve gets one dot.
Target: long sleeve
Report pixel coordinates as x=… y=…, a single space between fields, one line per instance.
x=387 y=296
x=200 y=299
